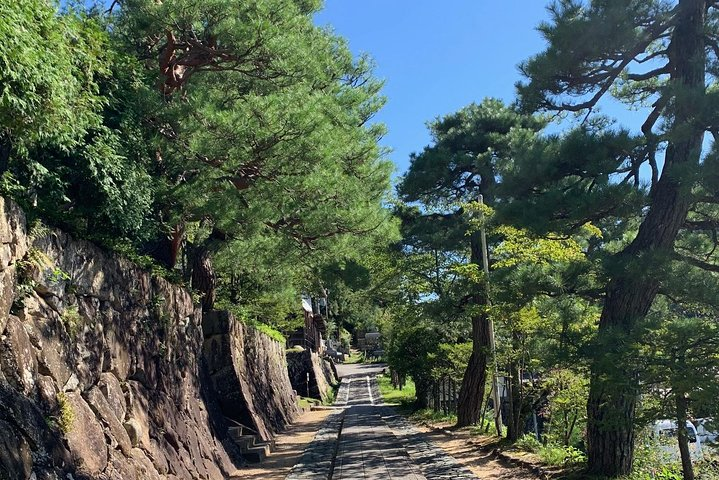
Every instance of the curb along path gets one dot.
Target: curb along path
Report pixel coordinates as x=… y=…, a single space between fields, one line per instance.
x=368 y=440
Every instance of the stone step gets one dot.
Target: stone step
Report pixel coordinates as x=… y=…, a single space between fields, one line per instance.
x=257 y=453
x=253 y=449
x=244 y=441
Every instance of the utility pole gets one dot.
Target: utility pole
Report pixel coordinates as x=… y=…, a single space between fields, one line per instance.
x=492 y=341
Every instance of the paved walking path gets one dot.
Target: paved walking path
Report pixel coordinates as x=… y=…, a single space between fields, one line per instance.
x=369 y=441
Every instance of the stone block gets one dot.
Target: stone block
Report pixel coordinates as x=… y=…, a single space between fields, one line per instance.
x=145 y=469
x=111 y=388
x=15 y=454
x=13 y=235
x=217 y=323
x=119 y=468
x=119 y=355
x=7 y=294
x=104 y=412
x=17 y=357
x=86 y=438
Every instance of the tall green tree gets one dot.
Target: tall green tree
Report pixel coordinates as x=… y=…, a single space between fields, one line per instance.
x=656 y=54
x=534 y=279
x=61 y=155
x=468 y=156
x=264 y=130
x=679 y=364
x=232 y=141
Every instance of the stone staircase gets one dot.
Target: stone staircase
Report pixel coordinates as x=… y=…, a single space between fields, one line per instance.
x=252 y=447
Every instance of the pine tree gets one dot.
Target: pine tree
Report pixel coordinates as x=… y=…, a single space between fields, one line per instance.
x=263 y=129
x=679 y=364
x=469 y=154
x=651 y=53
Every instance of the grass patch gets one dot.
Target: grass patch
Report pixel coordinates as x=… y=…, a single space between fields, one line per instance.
x=66 y=416
x=428 y=415
x=331 y=395
x=405 y=397
x=354 y=357
x=306 y=403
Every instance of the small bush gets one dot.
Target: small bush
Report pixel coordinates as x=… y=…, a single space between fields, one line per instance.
x=71 y=320
x=554 y=455
x=243 y=316
x=269 y=331
x=528 y=443
x=708 y=467
x=551 y=453
x=574 y=456
x=331 y=396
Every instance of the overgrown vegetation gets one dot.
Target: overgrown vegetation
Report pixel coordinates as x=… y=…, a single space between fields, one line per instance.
x=331 y=395
x=66 y=415
x=551 y=453
x=71 y=320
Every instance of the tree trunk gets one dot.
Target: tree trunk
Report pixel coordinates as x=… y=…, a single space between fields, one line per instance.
x=5 y=151
x=422 y=391
x=629 y=295
x=515 y=420
x=471 y=392
x=203 y=277
x=683 y=436
x=178 y=236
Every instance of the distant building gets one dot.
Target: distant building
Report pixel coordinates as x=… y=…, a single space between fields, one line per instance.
x=313 y=334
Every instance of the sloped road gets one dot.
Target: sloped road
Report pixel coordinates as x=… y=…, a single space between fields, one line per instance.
x=369 y=441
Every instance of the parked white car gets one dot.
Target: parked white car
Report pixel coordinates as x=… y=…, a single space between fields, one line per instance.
x=707 y=431
x=666 y=432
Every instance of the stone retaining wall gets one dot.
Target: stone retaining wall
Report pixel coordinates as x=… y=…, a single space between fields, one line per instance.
x=304 y=364
x=102 y=374
x=249 y=373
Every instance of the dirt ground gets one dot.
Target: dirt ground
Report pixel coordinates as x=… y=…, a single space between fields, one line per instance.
x=466 y=449
x=288 y=449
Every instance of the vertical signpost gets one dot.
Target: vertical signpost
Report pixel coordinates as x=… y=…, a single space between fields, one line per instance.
x=492 y=342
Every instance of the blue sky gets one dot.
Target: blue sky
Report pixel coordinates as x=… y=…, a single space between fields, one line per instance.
x=437 y=57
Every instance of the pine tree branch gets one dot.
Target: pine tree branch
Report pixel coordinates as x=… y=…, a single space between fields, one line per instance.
x=611 y=74
x=652 y=56
x=701 y=225
x=640 y=77
x=112 y=6
x=712 y=199
x=709 y=267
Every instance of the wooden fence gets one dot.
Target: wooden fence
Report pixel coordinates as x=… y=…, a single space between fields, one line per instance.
x=443 y=396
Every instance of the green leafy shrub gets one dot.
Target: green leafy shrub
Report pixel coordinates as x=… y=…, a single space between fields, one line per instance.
x=552 y=454
x=567 y=405
x=331 y=395
x=269 y=331
x=243 y=316
x=528 y=443
x=708 y=467
x=574 y=456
